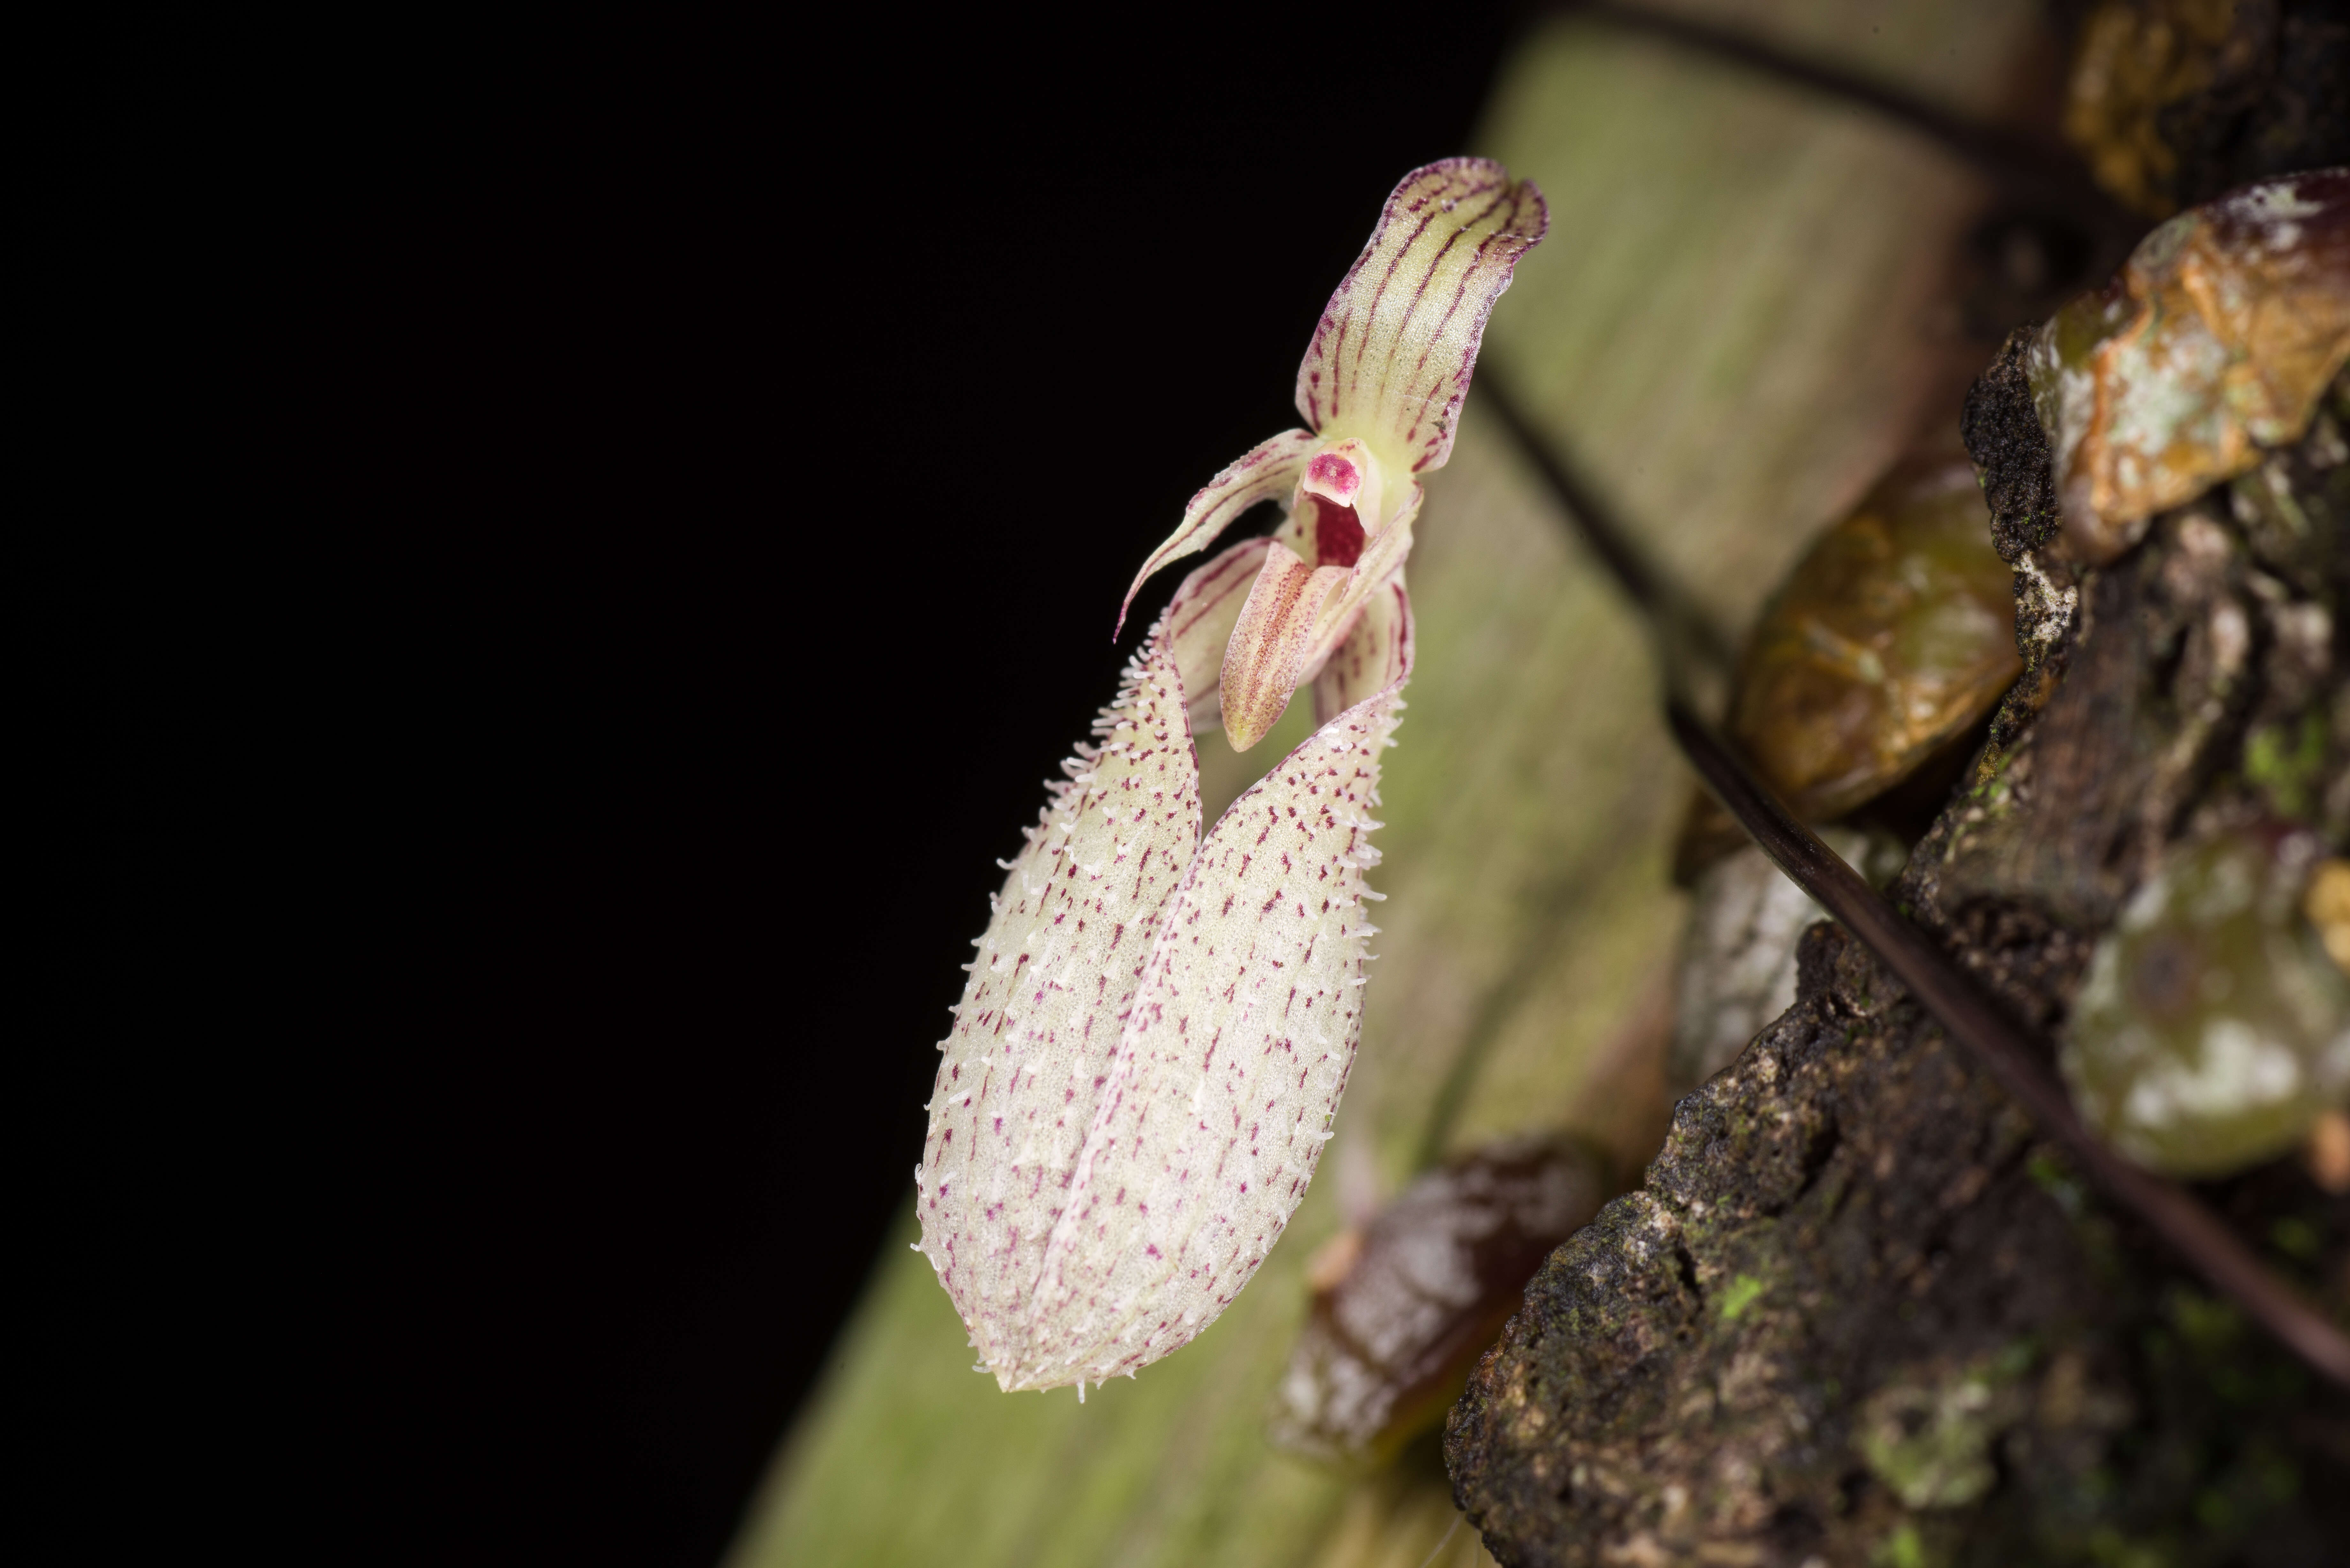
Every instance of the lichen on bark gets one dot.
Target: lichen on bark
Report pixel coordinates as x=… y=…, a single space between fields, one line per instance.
x=1859 y=1312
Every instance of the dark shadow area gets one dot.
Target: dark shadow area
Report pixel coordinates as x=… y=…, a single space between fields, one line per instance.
x=714 y=460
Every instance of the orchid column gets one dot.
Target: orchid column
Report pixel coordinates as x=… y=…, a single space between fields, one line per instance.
x=1148 y=1056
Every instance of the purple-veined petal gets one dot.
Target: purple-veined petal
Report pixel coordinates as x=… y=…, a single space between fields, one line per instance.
x=1267 y=656
x=1200 y=623
x=1230 y=1068
x=1041 y=1015
x=1392 y=359
x=1380 y=562
x=1377 y=653
x=1268 y=472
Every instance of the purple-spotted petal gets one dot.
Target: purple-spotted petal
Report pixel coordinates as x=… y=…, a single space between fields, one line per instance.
x=1228 y=1073
x=1391 y=359
x=1269 y=473
x=1048 y=994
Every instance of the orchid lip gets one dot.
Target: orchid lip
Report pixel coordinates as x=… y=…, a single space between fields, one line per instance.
x=1336 y=530
x=1337 y=506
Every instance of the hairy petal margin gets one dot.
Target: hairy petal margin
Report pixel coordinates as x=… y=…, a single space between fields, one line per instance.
x=1241 y=1035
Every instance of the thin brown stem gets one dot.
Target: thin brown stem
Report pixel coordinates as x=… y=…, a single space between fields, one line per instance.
x=1695 y=646
x=1998 y=1046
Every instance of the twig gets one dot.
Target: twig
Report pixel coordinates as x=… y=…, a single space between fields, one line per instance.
x=2043 y=173
x=1970 y=1019
x=1673 y=613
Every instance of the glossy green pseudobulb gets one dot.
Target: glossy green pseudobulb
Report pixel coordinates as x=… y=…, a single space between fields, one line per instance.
x=2212 y=1028
x=1894 y=633
x=1886 y=642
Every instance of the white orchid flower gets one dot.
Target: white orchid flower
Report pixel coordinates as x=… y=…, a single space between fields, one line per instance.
x=1148 y=1056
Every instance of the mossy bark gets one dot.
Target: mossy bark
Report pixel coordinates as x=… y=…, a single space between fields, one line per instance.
x=1859 y=1313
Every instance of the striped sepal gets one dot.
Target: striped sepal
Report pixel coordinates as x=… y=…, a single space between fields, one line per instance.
x=1391 y=359
x=1268 y=472
x=1376 y=654
x=1200 y=623
x=1271 y=642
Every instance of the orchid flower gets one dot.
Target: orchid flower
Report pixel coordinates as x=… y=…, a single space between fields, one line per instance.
x=1150 y=1049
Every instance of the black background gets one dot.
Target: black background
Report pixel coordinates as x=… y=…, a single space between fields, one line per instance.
x=714 y=458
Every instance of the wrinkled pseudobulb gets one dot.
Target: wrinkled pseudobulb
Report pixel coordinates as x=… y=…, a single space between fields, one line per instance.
x=1894 y=633
x=1157 y=1029
x=1403 y=1306
x=1888 y=641
x=2212 y=346
x=2212 y=1028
